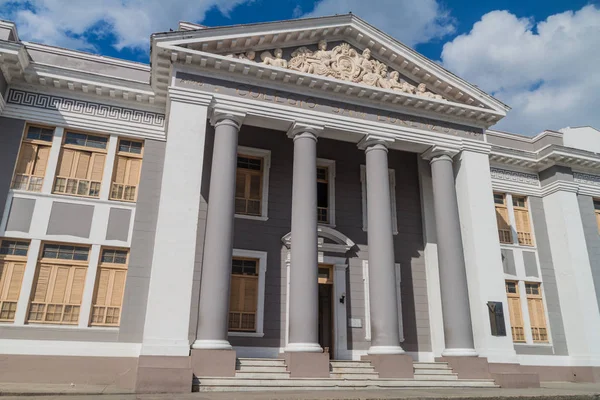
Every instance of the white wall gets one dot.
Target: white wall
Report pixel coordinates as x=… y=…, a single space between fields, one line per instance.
x=584 y=138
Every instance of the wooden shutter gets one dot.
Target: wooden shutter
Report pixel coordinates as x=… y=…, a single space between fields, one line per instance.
x=14 y=285
x=82 y=165
x=67 y=160
x=27 y=158
x=59 y=288
x=11 y=279
x=77 y=285
x=135 y=166
x=597 y=212
x=523 y=226
x=41 y=287
x=502 y=219
x=97 y=167
x=108 y=299
x=120 y=169
x=537 y=316
x=516 y=319
x=243 y=302
x=41 y=162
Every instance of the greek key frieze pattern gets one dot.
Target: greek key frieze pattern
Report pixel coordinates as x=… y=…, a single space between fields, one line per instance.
x=51 y=102
x=514 y=176
x=586 y=178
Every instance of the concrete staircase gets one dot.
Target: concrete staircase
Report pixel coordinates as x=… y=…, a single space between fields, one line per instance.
x=263 y=374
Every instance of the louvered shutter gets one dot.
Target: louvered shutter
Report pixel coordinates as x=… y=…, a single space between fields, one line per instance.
x=26 y=158
x=118 y=288
x=133 y=176
x=66 y=163
x=102 y=288
x=59 y=289
x=77 y=285
x=235 y=299
x=250 y=295
x=120 y=169
x=42 y=161
x=97 y=167
x=83 y=164
x=516 y=319
x=42 y=284
x=16 y=279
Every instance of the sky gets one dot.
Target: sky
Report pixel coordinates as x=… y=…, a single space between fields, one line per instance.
x=539 y=57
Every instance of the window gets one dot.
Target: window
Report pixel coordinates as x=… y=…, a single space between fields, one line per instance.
x=81 y=165
x=110 y=287
x=126 y=174
x=322 y=195
x=597 y=212
x=248 y=185
x=363 y=180
x=502 y=218
x=58 y=285
x=33 y=159
x=13 y=258
x=514 y=310
x=243 y=296
x=522 y=221
x=537 y=315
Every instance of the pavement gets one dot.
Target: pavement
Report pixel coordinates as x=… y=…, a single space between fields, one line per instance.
x=552 y=391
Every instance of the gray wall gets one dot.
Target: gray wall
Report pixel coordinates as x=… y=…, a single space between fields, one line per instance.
x=266 y=236
x=11 y=131
x=20 y=214
x=548 y=286
x=142 y=243
x=555 y=173
x=118 y=224
x=70 y=219
x=592 y=239
x=508 y=261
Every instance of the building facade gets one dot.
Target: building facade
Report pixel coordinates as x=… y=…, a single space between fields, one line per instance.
x=308 y=190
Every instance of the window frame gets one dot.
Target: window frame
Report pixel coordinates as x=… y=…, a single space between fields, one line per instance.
x=266 y=166
x=503 y=206
x=10 y=260
x=261 y=256
x=330 y=165
x=363 y=182
x=37 y=143
x=512 y=220
x=127 y=156
x=526 y=209
x=112 y=267
x=544 y=314
x=596 y=211
x=517 y=296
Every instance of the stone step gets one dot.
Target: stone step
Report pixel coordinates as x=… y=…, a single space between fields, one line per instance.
x=261 y=368
x=236 y=384
x=354 y=376
x=431 y=365
x=350 y=364
x=433 y=371
x=353 y=370
x=451 y=377
x=264 y=362
x=262 y=375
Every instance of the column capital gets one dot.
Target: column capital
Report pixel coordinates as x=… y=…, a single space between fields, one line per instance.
x=220 y=115
x=306 y=130
x=436 y=153
x=369 y=142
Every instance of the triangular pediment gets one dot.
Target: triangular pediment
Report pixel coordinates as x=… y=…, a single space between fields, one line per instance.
x=319 y=52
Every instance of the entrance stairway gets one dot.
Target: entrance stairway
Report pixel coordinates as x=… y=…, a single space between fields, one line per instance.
x=264 y=374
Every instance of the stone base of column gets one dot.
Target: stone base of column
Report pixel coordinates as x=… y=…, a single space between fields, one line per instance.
x=164 y=374
x=213 y=363
x=392 y=365
x=307 y=365
x=468 y=367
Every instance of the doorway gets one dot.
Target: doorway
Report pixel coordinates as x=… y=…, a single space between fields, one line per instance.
x=326 y=317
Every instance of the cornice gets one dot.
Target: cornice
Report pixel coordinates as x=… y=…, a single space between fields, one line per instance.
x=545 y=157
x=559 y=186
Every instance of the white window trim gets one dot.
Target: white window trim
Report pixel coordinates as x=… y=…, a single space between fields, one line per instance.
x=260 y=307
x=363 y=183
x=330 y=164
x=398 y=276
x=266 y=156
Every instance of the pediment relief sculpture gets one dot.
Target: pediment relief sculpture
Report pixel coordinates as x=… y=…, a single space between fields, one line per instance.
x=342 y=62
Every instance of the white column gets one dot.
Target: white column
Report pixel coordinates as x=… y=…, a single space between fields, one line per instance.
x=27 y=285
x=88 y=289
x=109 y=165
x=170 y=293
x=576 y=293
x=481 y=245
x=53 y=160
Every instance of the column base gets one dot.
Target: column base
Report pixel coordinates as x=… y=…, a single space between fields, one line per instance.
x=468 y=367
x=212 y=345
x=307 y=364
x=213 y=363
x=385 y=350
x=303 y=348
x=164 y=374
x=459 y=353
x=392 y=365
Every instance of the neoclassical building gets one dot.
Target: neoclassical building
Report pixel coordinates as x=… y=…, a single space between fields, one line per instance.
x=296 y=204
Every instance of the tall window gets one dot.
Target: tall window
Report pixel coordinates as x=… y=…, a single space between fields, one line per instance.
x=126 y=175
x=248 y=185
x=522 y=220
x=81 y=165
x=597 y=212
x=13 y=257
x=243 y=297
x=33 y=159
x=59 y=284
x=323 y=195
x=537 y=316
x=514 y=310
x=504 y=231
x=110 y=287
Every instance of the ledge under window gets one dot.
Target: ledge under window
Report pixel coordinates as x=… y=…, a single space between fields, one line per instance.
x=252 y=217
x=246 y=334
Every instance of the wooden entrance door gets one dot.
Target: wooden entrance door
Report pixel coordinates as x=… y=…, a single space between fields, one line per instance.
x=326 y=329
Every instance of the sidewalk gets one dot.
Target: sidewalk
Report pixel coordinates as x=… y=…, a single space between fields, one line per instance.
x=553 y=391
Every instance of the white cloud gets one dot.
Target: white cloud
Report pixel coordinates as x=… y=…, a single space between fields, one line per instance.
x=67 y=23
x=547 y=72
x=410 y=21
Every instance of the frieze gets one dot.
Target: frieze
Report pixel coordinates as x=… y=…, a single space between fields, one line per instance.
x=343 y=62
x=58 y=103
x=586 y=178
x=514 y=176
x=212 y=85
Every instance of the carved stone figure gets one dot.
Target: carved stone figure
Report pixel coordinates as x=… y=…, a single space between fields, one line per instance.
x=277 y=61
x=249 y=55
x=317 y=62
x=422 y=91
x=392 y=82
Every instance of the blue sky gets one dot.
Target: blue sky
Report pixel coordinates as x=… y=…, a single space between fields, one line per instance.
x=539 y=57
